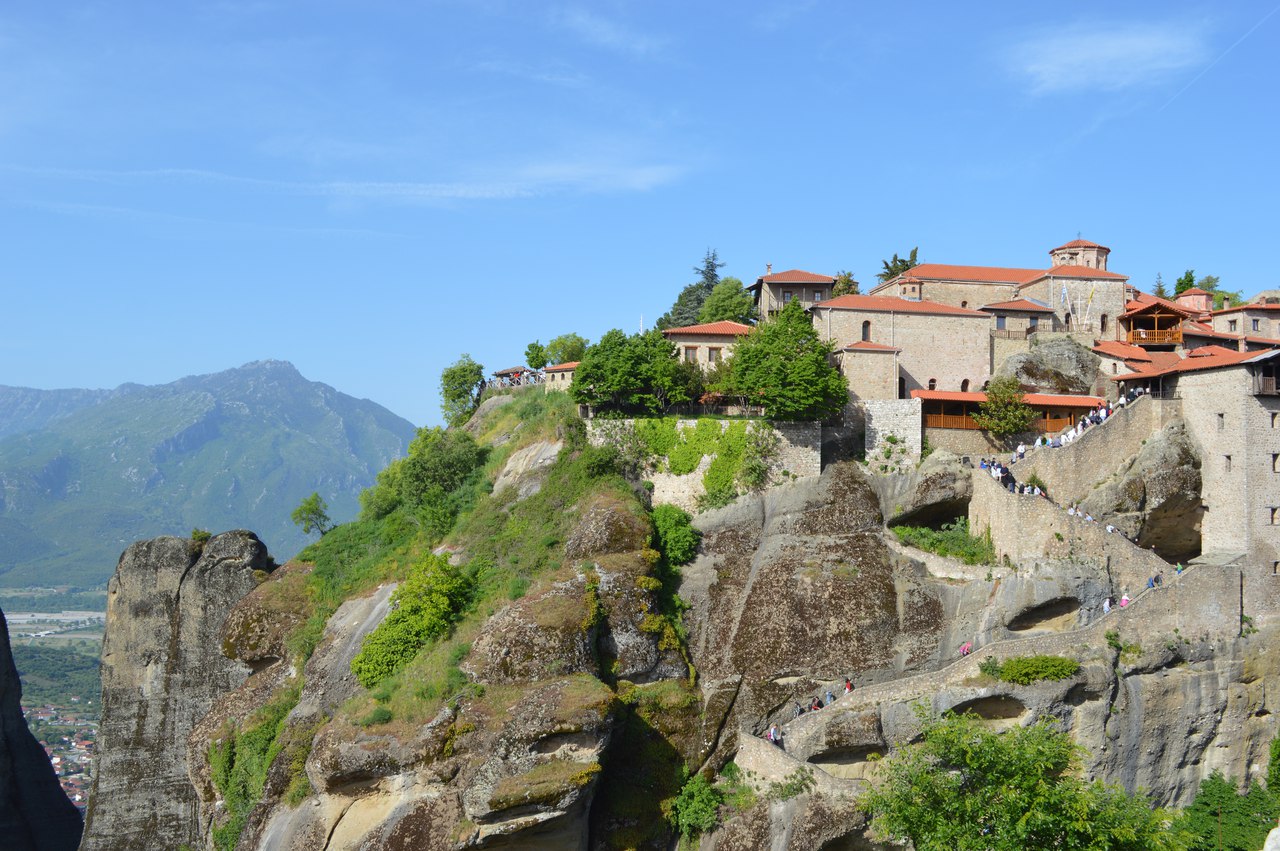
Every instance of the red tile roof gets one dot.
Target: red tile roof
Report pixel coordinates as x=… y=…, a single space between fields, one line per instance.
x=723 y=328
x=1018 y=304
x=1123 y=351
x=983 y=274
x=1080 y=243
x=1138 y=305
x=796 y=276
x=890 y=304
x=567 y=366
x=1044 y=400
x=1194 y=291
x=1253 y=306
x=1207 y=351
x=868 y=346
x=1214 y=361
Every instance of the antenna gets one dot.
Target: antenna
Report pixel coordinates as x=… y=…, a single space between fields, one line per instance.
x=642 y=323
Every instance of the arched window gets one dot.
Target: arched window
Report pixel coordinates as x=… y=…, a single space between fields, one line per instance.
x=964 y=304
x=866 y=331
x=933 y=384
x=1068 y=321
x=1102 y=324
x=964 y=386
x=902 y=387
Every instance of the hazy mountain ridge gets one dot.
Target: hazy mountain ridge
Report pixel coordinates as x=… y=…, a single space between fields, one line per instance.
x=235 y=449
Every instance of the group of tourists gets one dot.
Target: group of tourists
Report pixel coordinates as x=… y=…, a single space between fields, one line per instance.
x=1002 y=474
x=1096 y=416
x=774 y=735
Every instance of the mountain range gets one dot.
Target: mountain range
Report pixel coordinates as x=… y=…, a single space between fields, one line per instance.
x=83 y=473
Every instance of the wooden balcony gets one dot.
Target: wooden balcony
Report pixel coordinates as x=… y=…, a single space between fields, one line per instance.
x=966 y=423
x=1265 y=385
x=1160 y=337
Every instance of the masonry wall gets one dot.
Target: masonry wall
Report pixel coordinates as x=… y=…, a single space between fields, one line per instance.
x=949 y=349
x=1107 y=300
x=1073 y=471
x=897 y=418
x=1268 y=326
x=975 y=444
x=957 y=293
x=558 y=380
x=870 y=375
x=1002 y=347
x=696 y=348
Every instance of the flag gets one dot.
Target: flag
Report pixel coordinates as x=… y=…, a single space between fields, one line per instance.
x=1091 y=292
x=1064 y=293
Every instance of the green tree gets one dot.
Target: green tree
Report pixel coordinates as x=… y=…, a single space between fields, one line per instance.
x=460 y=386
x=968 y=788
x=312 y=514
x=1185 y=282
x=729 y=301
x=784 y=367
x=636 y=374
x=696 y=809
x=674 y=535
x=895 y=267
x=1209 y=283
x=1159 y=290
x=845 y=285
x=535 y=355
x=1005 y=412
x=1220 y=818
x=689 y=303
x=566 y=348
x=437 y=459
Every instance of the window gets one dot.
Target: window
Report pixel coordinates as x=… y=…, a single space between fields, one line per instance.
x=1227 y=465
x=691 y=354
x=1275 y=515
x=933 y=384
x=713 y=354
x=1275 y=462
x=1222 y=421
x=1102 y=324
x=866 y=331
x=1067 y=320
x=787 y=295
x=1256 y=325
x=1033 y=323
x=1115 y=367
x=1275 y=568
x=964 y=304
x=1232 y=325
x=817 y=295
x=964 y=386
x=1000 y=323
x=1275 y=419
x=902 y=387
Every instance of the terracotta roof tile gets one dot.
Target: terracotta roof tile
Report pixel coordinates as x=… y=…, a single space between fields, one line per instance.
x=887 y=304
x=1083 y=272
x=724 y=328
x=796 y=276
x=983 y=274
x=1194 y=291
x=1080 y=243
x=567 y=366
x=1124 y=351
x=1208 y=351
x=868 y=346
x=1023 y=304
x=1253 y=306
x=1214 y=361
x=1045 y=400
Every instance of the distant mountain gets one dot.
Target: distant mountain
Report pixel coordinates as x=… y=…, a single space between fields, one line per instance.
x=83 y=473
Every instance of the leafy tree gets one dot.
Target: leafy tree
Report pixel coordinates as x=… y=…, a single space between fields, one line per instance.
x=1209 y=283
x=606 y=376
x=535 y=355
x=968 y=788
x=845 y=285
x=1004 y=413
x=566 y=348
x=895 y=267
x=784 y=367
x=312 y=515
x=437 y=459
x=640 y=373
x=689 y=303
x=1220 y=818
x=696 y=810
x=460 y=386
x=1185 y=282
x=674 y=535
x=1159 y=290
x=728 y=301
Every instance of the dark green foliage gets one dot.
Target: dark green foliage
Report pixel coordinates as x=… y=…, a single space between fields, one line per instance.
x=953 y=540
x=1004 y=413
x=74 y=600
x=238 y=764
x=1024 y=670
x=437 y=459
x=460 y=386
x=728 y=301
x=202 y=536
x=968 y=788
x=895 y=267
x=566 y=348
x=1209 y=283
x=52 y=675
x=845 y=285
x=312 y=515
x=535 y=355
x=697 y=807
x=1273 y=768
x=689 y=303
x=784 y=367
x=636 y=374
x=424 y=608
x=1158 y=290
x=1185 y=281
x=1242 y=821
x=674 y=535
x=379 y=715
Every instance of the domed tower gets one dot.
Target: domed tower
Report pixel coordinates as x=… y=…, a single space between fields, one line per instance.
x=1081 y=252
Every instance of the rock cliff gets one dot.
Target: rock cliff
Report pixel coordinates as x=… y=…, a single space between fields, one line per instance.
x=1059 y=365
x=35 y=814
x=162 y=670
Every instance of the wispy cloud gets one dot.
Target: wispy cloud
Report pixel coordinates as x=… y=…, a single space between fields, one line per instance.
x=1118 y=56
x=525 y=181
x=606 y=33
x=556 y=75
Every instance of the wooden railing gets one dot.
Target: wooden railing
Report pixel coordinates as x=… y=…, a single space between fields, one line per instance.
x=1139 y=336
x=1265 y=385
x=966 y=422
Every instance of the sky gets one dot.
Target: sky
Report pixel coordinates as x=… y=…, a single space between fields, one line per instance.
x=371 y=189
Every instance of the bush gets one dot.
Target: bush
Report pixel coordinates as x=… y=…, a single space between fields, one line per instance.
x=674 y=535
x=953 y=540
x=424 y=608
x=696 y=809
x=379 y=715
x=1024 y=670
x=437 y=458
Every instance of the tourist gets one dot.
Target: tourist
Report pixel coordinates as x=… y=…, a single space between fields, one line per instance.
x=1110 y=529
x=1124 y=600
x=799 y=709
x=848 y=685
x=1022 y=450
x=1106 y=606
x=816 y=704
x=1151 y=582
x=966 y=648
x=775 y=735
x=1159 y=579
x=830 y=698
x=1177 y=569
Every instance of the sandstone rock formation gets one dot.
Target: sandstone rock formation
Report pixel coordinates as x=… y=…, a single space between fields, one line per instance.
x=936 y=491
x=35 y=814
x=1059 y=365
x=1154 y=497
x=162 y=669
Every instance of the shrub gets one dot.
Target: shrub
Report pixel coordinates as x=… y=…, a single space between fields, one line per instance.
x=1024 y=670
x=953 y=540
x=379 y=715
x=437 y=458
x=674 y=535
x=696 y=809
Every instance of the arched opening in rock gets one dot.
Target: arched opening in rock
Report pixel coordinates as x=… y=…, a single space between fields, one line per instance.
x=1054 y=616
x=849 y=763
x=1001 y=710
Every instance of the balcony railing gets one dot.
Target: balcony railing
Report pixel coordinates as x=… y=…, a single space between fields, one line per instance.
x=966 y=423
x=1265 y=385
x=1151 y=337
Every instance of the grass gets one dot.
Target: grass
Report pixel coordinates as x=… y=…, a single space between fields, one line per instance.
x=952 y=540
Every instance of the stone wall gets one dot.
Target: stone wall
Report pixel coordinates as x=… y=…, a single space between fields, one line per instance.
x=870 y=374
x=976 y=444
x=1072 y=472
x=899 y=418
x=799 y=455
x=704 y=349
x=1002 y=347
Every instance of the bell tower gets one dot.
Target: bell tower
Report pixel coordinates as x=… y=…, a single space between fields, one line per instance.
x=1081 y=252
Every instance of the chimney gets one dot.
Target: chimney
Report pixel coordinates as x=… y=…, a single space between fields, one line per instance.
x=768 y=268
x=1226 y=302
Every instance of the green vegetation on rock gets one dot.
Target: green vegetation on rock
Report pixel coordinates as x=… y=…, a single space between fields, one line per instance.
x=952 y=540
x=1024 y=670
x=674 y=535
x=1222 y=818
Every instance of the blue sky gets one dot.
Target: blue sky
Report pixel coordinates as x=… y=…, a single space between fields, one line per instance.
x=370 y=189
